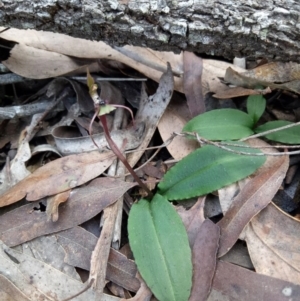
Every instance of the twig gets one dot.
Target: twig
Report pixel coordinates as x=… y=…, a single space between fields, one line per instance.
x=202 y=140
x=271 y=131
x=81 y=292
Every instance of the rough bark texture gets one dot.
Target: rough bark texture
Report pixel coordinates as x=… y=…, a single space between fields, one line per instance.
x=252 y=28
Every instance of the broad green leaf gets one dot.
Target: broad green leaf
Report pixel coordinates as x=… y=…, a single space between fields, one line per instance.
x=222 y=124
x=256 y=105
x=105 y=109
x=207 y=169
x=289 y=136
x=160 y=246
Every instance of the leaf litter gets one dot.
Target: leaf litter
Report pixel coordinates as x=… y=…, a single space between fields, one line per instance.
x=62 y=195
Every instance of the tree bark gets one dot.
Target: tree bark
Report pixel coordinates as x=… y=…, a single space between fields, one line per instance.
x=250 y=28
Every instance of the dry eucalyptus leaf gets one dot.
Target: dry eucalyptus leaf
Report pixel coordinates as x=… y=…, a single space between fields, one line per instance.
x=253 y=197
x=235 y=283
x=59 y=175
x=173 y=120
x=204 y=258
x=193 y=218
x=212 y=71
x=70 y=141
x=48 y=250
x=276 y=75
x=151 y=110
x=39 y=63
x=79 y=244
x=39 y=281
x=9 y=292
x=192 y=83
x=240 y=91
x=278 y=233
x=26 y=222
x=265 y=259
x=147 y=61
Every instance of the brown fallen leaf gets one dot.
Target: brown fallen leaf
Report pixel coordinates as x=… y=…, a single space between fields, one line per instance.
x=265 y=259
x=233 y=283
x=58 y=176
x=276 y=75
x=48 y=250
x=151 y=110
x=193 y=218
x=213 y=70
x=9 y=292
x=143 y=294
x=79 y=245
x=147 y=61
x=32 y=277
x=240 y=91
x=173 y=120
x=26 y=223
x=122 y=271
x=192 y=83
x=255 y=196
x=276 y=234
x=204 y=260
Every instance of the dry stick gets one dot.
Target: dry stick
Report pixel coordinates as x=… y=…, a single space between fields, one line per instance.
x=79 y=293
x=271 y=131
x=117 y=169
x=223 y=145
x=101 y=252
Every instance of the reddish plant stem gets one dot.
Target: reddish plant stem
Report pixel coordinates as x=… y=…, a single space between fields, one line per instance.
x=118 y=153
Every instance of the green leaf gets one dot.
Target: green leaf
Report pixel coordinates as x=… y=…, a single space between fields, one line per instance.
x=256 y=105
x=105 y=109
x=161 y=249
x=289 y=136
x=223 y=124
x=207 y=169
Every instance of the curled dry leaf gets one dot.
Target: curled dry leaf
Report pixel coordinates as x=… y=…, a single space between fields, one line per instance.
x=240 y=91
x=253 y=197
x=53 y=203
x=58 y=176
x=276 y=75
x=26 y=223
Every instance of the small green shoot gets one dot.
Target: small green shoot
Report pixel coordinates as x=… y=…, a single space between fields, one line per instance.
x=256 y=105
